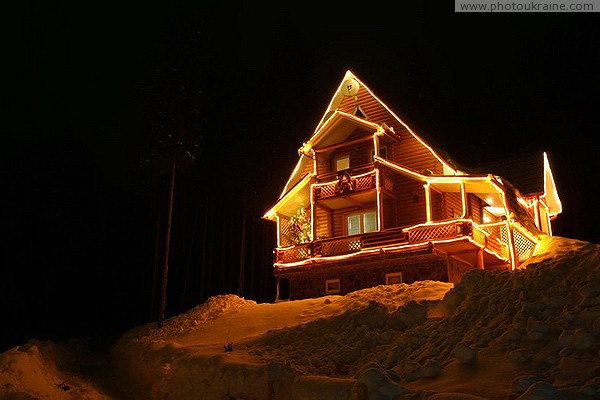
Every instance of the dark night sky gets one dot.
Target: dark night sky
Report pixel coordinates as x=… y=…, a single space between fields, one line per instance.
x=81 y=210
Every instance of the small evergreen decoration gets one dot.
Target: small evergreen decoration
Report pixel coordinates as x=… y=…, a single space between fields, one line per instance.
x=300 y=231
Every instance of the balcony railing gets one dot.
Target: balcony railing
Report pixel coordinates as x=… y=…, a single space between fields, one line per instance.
x=345 y=183
x=319 y=248
x=294 y=253
x=497 y=238
x=494 y=237
x=499 y=233
x=359 y=170
x=340 y=245
x=490 y=236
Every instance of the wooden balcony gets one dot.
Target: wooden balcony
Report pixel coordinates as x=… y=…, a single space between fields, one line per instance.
x=493 y=237
x=340 y=245
x=345 y=183
x=319 y=248
x=489 y=236
x=328 y=177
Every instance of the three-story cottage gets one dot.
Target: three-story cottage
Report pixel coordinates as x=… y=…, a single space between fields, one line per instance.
x=370 y=202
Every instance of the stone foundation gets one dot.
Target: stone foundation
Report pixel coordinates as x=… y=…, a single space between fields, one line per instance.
x=456 y=269
x=311 y=284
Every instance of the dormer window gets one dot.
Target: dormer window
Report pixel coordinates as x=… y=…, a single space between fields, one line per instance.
x=341 y=163
x=359 y=113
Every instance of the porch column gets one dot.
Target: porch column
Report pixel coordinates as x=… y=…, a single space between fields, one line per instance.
x=480 y=262
x=379 y=204
x=511 y=244
x=376 y=134
x=313 y=211
x=313 y=216
x=427 y=201
x=463 y=196
x=377 y=180
x=278 y=230
x=536 y=213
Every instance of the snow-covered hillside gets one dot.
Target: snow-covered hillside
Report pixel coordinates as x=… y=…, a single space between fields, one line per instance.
x=529 y=334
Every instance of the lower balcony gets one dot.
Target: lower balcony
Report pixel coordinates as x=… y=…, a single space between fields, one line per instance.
x=456 y=237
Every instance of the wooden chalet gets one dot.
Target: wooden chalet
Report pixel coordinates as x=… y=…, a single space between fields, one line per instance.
x=370 y=203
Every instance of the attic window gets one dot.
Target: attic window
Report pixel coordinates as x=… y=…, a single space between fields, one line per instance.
x=359 y=113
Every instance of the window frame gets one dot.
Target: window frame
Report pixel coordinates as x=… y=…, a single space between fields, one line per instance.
x=338 y=158
x=362 y=214
x=393 y=275
x=332 y=291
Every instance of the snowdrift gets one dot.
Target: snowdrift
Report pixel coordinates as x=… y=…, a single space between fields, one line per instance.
x=526 y=334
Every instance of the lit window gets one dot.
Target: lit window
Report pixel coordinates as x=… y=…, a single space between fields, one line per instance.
x=332 y=286
x=342 y=163
x=361 y=223
x=370 y=221
x=393 y=278
x=354 y=224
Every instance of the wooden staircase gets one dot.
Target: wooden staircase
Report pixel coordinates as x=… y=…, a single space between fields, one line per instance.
x=388 y=237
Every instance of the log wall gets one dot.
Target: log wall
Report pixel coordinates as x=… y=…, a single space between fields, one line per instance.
x=410 y=201
x=409 y=151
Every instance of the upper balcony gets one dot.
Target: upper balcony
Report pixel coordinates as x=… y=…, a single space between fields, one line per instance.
x=345 y=184
x=349 y=188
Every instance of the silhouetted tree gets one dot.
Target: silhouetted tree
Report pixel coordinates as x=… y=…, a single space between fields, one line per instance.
x=176 y=119
x=178 y=129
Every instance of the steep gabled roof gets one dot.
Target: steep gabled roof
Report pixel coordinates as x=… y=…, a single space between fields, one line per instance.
x=339 y=102
x=339 y=98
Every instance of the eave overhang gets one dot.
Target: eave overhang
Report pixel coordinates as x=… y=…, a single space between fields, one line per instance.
x=486 y=187
x=335 y=129
x=290 y=196
x=473 y=183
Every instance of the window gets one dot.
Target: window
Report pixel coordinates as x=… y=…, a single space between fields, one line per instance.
x=361 y=223
x=359 y=113
x=332 y=286
x=393 y=278
x=342 y=163
x=382 y=153
x=354 y=224
x=370 y=221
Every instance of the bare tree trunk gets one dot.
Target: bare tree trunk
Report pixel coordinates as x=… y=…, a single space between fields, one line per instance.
x=242 y=255
x=155 y=273
x=163 y=287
